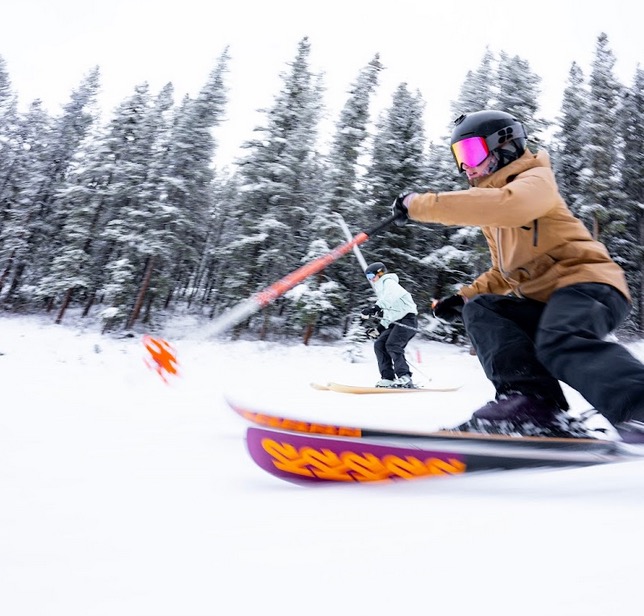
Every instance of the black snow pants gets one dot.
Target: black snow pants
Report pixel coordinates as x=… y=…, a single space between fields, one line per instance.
x=390 y=347
x=528 y=346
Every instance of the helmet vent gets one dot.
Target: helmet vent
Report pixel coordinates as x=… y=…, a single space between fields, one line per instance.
x=505 y=134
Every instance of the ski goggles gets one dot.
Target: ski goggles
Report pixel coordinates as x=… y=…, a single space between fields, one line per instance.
x=471 y=152
x=370 y=275
x=474 y=150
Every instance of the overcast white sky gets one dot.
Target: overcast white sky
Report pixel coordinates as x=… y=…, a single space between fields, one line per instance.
x=49 y=45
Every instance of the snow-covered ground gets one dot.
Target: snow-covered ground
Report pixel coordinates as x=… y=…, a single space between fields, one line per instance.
x=123 y=496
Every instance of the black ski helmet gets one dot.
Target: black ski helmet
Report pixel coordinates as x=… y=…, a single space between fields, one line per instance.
x=498 y=131
x=375 y=268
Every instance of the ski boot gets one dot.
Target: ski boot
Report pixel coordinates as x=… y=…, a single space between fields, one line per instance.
x=385 y=383
x=516 y=414
x=403 y=382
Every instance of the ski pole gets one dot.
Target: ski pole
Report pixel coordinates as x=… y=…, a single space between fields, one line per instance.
x=396 y=324
x=414 y=329
x=417 y=369
x=240 y=312
x=356 y=251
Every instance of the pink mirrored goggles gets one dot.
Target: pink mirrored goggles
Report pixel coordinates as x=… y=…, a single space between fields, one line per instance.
x=471 y=152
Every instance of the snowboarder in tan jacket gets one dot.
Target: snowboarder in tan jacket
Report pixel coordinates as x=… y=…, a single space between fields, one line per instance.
x=541 y=314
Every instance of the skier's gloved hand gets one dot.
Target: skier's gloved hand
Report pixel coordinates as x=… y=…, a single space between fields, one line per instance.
x=448 y=308
x=371 y=311
x=373 y=333
x=399 y=206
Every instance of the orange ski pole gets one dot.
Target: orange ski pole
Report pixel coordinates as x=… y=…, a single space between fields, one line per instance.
x=261 y=299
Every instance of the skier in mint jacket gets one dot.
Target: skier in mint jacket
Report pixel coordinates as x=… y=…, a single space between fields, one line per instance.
x=397 y=314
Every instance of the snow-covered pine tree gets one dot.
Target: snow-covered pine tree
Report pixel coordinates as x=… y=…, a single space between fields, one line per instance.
x=129 y=148
x=206 y=290
x=571 y=138
x=340 y=192
x=518 y=93
x=187 y=182
x=461 y=253
x=21 y=203
x=315 y=297
x=276 y=203
x=159 y=195
x=43 y=239
x=599 y=180
x=631 y=248
x=9 y=142
x=398 y=165
x=477 y=90
x=68 y=131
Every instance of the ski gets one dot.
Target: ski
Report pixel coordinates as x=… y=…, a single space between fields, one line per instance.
x=314 y=459
x=268 y=419
x=358 y=389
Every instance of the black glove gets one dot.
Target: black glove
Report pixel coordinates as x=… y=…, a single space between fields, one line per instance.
x=448 y=308
x=399 y=208
x=372 y=333
x=371 y=311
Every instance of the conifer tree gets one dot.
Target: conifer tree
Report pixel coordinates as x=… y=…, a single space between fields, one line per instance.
x=21 y=197
x=45 y=172
x=478 y=88
x=599 y=178
x=276 y=204
x=160 y=196
x=341 y=191
x=518 y=94
x=399 y=165
x=632 y=175
x=9 y=141
x=131 y=140
x=215 y=263
x=189 y=175
x=571 y=138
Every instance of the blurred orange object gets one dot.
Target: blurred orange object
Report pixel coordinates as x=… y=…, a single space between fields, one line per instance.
x=163 y=356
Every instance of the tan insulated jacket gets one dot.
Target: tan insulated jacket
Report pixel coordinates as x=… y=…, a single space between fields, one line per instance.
x=536 y=244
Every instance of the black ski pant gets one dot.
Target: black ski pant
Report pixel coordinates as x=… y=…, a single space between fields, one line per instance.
x=528 y=346
x=390 y=347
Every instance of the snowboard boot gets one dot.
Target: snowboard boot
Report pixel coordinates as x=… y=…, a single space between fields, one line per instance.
x=404 y=382
x=385 y=383
x=516 y=414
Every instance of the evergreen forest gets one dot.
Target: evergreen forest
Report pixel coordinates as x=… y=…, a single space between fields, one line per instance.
x=131 y=221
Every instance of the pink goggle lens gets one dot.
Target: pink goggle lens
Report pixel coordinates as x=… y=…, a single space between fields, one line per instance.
x=471 y=152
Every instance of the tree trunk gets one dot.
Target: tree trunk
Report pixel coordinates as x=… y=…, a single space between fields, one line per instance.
x=17 y=277
x=148 y=309
x=7 y=269
x=145 y=285
x=66 y=300
x=168 y=299
x=89 y=304
x=263 y=332
x=308 y=331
